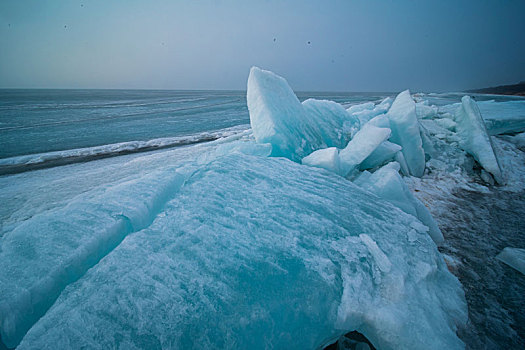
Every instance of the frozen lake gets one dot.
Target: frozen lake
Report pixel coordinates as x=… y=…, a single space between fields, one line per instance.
x=188 y=234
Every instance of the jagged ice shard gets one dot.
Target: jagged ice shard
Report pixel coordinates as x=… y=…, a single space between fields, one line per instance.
x=293 y=129
x=388 y=184
x=475 y=139
x=406 y=133
x=326 y=158
x=361 y=146
x=385 y=152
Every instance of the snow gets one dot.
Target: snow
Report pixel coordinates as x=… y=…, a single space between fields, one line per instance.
x=474 y=137
x=514 y=257
x=405 y=132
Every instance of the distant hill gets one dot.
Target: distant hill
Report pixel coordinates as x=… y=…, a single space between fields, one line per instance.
x=516 y=89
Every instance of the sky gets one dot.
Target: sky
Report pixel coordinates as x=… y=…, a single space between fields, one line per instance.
x=362 y=45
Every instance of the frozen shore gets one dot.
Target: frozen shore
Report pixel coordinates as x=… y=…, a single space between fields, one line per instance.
x=318 y=221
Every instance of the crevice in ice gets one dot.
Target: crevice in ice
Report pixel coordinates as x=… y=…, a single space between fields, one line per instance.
x=351 y=341
x=38 y=287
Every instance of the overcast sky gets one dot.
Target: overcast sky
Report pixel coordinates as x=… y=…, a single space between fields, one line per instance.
x=348 y=45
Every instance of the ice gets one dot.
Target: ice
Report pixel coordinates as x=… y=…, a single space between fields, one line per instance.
x=326 y=158
x=446 y=123
x=366 y=111
x=293 y=129
x=43 y=160
x=236 y=246
x=385 y=152
x=222 y=246
x=334 y=124
x=425 y=111
x=518 y=140
x=361 y=107
x=379 y=256
x=506 y=117
x=259 y=252
x=369 y=146
x=361 y=146
x=503 y=117
x=514 y=257
x=406 y=133
x=474 y=137
x=388 y=184
x=45 y=253
x=400 y=159
x=381 y=121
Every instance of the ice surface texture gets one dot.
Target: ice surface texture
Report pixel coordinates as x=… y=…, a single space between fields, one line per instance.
x=41 y=256
x=474 y=137
x=257 y=252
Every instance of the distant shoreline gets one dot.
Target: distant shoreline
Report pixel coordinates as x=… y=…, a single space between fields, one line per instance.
x=511 y=90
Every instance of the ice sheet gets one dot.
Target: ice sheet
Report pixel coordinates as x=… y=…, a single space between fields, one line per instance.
x=257 y=252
